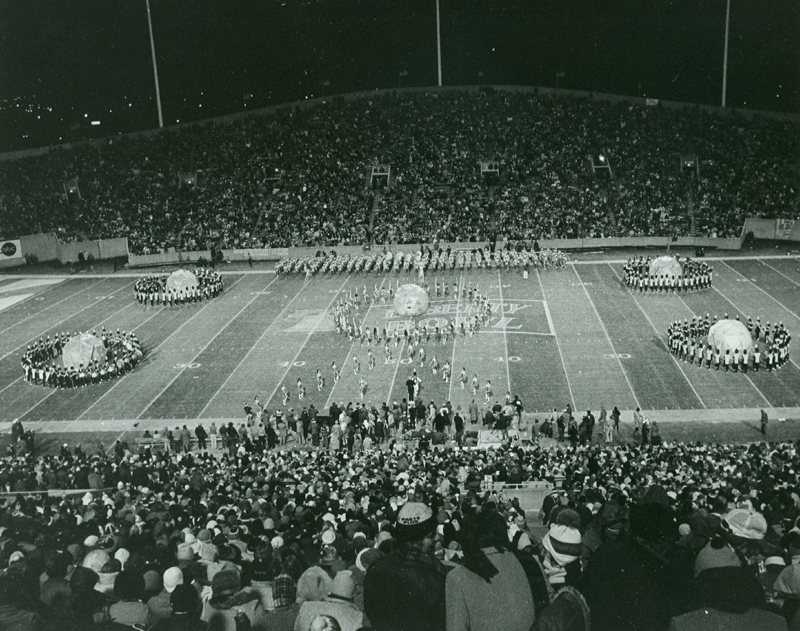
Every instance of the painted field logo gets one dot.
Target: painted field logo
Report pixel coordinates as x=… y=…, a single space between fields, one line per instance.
x=8 y=249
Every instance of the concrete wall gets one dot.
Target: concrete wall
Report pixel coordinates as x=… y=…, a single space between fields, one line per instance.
x=786 y=230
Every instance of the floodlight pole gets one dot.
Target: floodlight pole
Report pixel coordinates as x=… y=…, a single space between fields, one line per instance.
x=725 y=54
x=439 y=43
x=155 y=65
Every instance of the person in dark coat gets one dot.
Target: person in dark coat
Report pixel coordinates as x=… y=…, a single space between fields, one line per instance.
x=405 y=591
x=628 y=582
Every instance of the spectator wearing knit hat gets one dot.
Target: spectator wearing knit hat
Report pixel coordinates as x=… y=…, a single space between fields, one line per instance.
x=562 y=551
x=406 y=590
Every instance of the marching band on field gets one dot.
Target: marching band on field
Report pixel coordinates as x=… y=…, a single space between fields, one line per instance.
x=696 y=275
x=425 y=259
x=152 y=290
x=39 y=363
x=688 y=342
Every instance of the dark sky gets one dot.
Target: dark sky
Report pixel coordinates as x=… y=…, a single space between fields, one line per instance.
x=90 y=59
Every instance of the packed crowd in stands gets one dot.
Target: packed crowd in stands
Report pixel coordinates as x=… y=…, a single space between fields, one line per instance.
x=694 y=275
x=297 y=177
x=689 y=342
x=648 y=536
x=152 y=290
x=42 y=363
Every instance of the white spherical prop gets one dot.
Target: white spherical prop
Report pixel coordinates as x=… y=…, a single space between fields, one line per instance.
x=666 y=266
x=181 y=280
x=730 y=335
x=82 y=350
x=410 y=300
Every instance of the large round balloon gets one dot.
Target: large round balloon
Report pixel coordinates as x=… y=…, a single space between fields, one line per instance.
x=181 y=279
x=410 y=300
x=83 y=349
x=730 y=335
x=665 y=266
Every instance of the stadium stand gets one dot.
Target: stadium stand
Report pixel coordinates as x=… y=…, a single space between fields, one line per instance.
x=299 y=177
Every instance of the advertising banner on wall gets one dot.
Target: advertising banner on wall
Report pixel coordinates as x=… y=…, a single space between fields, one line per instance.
x=10 y=249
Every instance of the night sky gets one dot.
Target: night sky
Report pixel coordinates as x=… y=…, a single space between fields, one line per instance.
x=64 y=63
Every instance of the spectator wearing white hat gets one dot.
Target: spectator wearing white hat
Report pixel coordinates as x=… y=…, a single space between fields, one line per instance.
x=159 y=605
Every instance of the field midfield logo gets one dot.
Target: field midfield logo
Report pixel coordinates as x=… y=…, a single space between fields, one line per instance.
x=513 y=307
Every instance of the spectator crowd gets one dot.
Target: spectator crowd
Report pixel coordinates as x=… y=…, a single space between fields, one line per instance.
x=640 y=536
x=299 y=176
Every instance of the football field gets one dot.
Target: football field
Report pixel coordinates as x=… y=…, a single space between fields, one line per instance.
x=571 y=336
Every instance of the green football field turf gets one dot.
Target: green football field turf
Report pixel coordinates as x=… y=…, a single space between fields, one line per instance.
x=571 y=336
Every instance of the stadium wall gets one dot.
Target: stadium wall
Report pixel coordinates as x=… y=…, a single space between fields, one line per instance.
x=47 y=247
x=779 y=229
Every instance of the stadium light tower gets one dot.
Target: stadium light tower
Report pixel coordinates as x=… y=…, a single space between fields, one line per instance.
x=725 y=54
x=155 y=65
x=439 y=43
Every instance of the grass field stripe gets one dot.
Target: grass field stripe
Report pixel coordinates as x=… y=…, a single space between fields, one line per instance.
x=205 y=346
x=763 y=292
x=555 y=335
x=697 y=394
x=308 y=337
x=150 y=353
x=252 y=348
x=746 y=376
x=455 y=336
x=72 y=315
x=40 y=311
x=350 y=350
x=779 y=272
x=505 y=337
x=101 y=323
x=608 y=337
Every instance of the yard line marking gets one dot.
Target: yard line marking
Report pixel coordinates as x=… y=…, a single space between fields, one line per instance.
x=65 y=319
x=204 y=347
x=746 y=376
x=762 y=291
x=697 y=394
x=608 y=337
x=558 y=344
x=779 y=272
x=350 y=350
x=455 y=337
x=505 y=337
x=308 y=337
x=52 y=305
x=150 y=354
